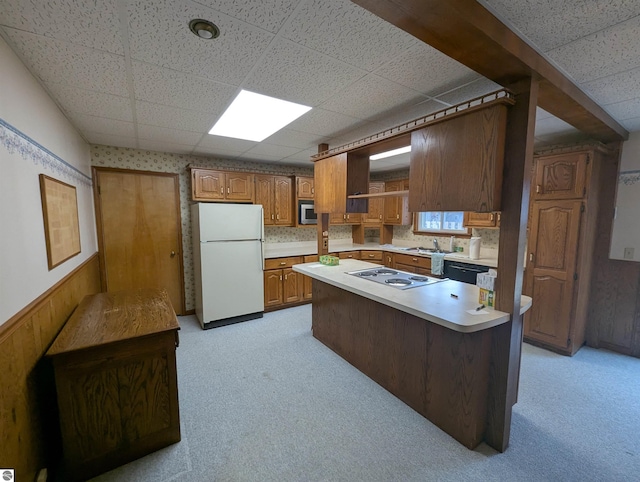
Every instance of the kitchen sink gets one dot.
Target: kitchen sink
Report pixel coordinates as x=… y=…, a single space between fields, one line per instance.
x=421 y=250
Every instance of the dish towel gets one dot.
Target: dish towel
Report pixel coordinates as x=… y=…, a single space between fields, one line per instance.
x=437 y=263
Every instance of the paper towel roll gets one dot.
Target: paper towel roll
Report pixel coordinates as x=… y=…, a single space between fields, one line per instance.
x=474 y=247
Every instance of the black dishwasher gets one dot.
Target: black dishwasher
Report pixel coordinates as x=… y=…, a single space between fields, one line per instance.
x=465 y=272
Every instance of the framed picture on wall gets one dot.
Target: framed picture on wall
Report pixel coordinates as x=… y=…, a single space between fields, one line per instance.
x=61 y=226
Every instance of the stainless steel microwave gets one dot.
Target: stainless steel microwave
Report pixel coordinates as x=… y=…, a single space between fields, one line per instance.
x=306 y=214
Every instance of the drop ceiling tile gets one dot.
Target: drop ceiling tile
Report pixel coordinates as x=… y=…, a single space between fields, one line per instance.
x=297 y=74
x=159 y=34
x=347 y=32
x=57 y=61
x=303 y=157
x=162 y=134
x=322 y=122
x=470 y=91
x=159 y=146
x=271 y=151
x=610 y=51
x=632 y=125
x=624 y=110
x=92 y=103
x=102 y=125
x=614 y=88
x=266 y=14
x=260 y=158
x=92 y=24
x=165 y=86
x=110 y=140
x=226 y=143
x=552 y=24
x=426 y=70
x=173 y=118
x=370 y=96
x=210 y=151
x=291 y=138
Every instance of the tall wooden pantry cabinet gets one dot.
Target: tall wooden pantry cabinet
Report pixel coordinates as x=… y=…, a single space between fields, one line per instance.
x=563 y=217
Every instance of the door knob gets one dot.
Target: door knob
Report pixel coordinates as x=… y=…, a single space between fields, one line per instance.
x=173 y=253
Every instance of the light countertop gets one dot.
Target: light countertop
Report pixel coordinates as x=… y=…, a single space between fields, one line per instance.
x=431 y=302
x=280 y=250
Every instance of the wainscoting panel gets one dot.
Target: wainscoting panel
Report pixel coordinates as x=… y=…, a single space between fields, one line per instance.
x=27 y=396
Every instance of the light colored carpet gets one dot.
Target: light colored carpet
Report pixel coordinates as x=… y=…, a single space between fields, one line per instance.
x=265 y=401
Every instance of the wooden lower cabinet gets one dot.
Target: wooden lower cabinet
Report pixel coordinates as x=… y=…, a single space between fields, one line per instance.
x=115 y=374
x=283 y=287
x=372 y=256
x=349 y=255
x=413 y=264
x=307 y=285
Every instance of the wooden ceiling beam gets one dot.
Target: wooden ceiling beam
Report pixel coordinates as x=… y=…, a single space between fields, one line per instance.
x=467 y=32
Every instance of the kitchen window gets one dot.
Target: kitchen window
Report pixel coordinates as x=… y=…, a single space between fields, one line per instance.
x=445 y=222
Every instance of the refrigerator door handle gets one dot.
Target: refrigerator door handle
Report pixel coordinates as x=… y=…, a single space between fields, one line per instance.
x=262 y=253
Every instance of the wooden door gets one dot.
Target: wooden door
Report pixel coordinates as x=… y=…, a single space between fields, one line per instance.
x=207 y=184
x=283 y=191
x=273 y=287
x=352 y=218
x=551 y=266
x=292 y=285
x=395 y=207
x=561 y=176
x=376 y=205
x=139 y=233
x=264 y=196
x=239 y=186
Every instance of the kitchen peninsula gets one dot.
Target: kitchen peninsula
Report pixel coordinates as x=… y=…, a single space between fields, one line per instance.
x=429 y=346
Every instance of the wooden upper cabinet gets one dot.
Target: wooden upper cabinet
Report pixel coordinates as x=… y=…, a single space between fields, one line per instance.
x=338 y=176
x=211 y=185
x=207 y=185
x=283 y=200
x=376 y=205
x=456 y=164
x=304 y=187
x=561 y=176
x=396 y=210
x=481 y=220
x=275 y=193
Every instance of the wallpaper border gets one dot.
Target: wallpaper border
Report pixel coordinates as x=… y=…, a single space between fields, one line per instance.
x=15 y=140
x=629 y=178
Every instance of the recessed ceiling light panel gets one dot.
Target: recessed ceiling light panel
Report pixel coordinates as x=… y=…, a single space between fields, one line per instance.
x=204 y=29
x=255 y=117
x=393 y=152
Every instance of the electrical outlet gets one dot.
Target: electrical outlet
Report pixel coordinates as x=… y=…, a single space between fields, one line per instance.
x=628 y=253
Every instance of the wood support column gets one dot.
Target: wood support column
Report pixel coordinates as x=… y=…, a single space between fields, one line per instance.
x=323 y=220
x=507 y=340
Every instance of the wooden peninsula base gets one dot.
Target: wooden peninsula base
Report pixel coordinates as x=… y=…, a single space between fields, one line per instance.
x=441 y=373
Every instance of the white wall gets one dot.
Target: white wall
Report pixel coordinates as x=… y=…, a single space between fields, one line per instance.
x=29 y=117
x=626 y=225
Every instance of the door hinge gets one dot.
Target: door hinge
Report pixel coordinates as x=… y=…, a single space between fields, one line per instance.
x=582 y=208
x=575 y=276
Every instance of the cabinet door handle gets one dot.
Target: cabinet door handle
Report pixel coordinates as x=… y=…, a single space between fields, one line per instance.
x=277 y=216
x=397 y=216
x=272 y=216
x=371 y=255
x=173 y=253
x=531 y=257
x=350 y=256
x=282 y=263
x=228 y=190
x=414 y=259
x=285 y=277
x=280 y=277
x=313 y=191
x=538 y=188
x=380 y=216
x=491 y=216
x=222 y=191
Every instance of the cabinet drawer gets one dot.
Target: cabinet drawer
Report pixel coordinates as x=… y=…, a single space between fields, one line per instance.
x=276 y=263
x=371 y=255
x=349 y=255
x=420 y=261
x=311 y=258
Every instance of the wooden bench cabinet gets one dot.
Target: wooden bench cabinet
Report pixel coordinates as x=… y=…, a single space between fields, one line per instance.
x=115 y=374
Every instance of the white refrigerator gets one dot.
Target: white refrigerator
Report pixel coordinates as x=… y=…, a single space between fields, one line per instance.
x=228 y=262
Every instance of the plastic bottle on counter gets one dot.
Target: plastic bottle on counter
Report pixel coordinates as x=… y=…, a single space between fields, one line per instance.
x=451 y=244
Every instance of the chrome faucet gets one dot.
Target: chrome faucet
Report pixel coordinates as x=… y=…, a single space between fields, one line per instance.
x=435 y=245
